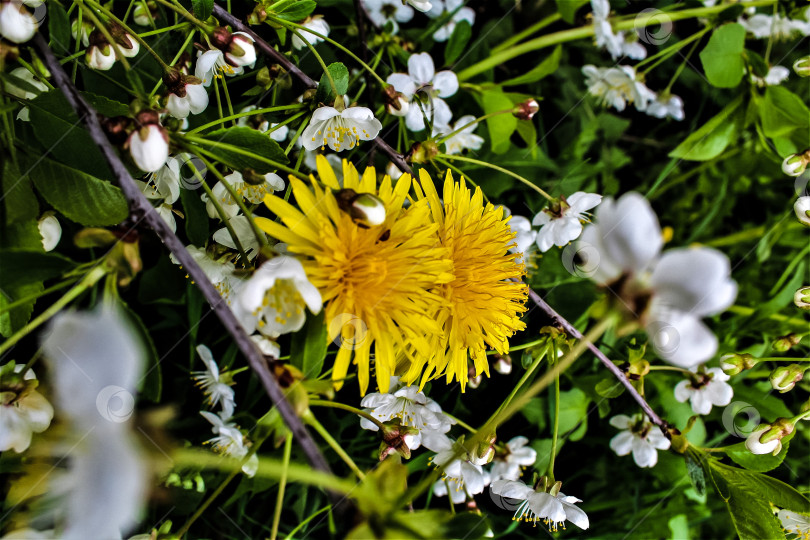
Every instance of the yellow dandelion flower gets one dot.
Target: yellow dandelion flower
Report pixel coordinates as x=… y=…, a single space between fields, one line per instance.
x=376 y=281
x=484 y=305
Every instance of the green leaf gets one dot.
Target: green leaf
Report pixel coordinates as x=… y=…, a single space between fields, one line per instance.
x=340 y=76
x=58 y=28
x=500 y=126
x=574 y=413
x=294 y=10
x=242 y=148
x=722 y=58
x=308 y=346
x=79 y=196
x=196 y=217
x=713 y=137
x=18 y=197
x=696 y=475
x=106 y=106
x=59 y=130
x=568 y=9
x=609 y=388
x=202 y=8
x=21 y=266
x=783 y=112
x=457 y=42
x=754 y=462
x=21 y=235
x=544 y=69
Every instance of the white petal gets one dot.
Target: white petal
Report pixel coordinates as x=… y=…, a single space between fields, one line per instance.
x=622 y=443
x=644 y=454
x=696 y=280
x=421 y=68
x=680 y=338
x=445 y=83
x=402 y=83
x=684 y=391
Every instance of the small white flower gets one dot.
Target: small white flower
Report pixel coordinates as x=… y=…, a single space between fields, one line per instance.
x=241 y=43
x=507 y=464
x=778 y=27
x=215 y=385
x=617 y=44
x=794 y=164
x=554 y=510
x=640 y=437
x=274 y=298
x=50 y=230
x=525 y=236
x=149 y=147
x=801 y=208
x=316 y=23
x=617 y=86
x=101 y=58
x=219 y=272
x=705 y=390
x=463 y=477
x=795 y=523
x=244 y=233
x=340 y=130
x=23 y=411
x=755 y=446
x=193 y=100
x=464 y=139
x=459 y=14
x=229 y=441
x=776 y=76
x=17 y=24
x=679 y=288
x=666 y=105
x=278 y=135
x=559 y=226
x=422 y=81
x=382 y=12
x=212 y=64
x=413 y=408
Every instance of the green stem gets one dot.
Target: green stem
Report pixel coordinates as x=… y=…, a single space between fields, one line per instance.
x=307 y=520
x=150 y=33
x=539 y=25
x=88 y=281
x=311 y=48
x=237 y=150
x=672 y=49
x=177 y=7
x=243 y=114
x=574 y=34
x=282 y=485
x=310 y=419
x=21 y=301
x=499 y=169
x=556 y=430
x=343 y=406
x=204 y=506
x=745 y=310
x=227 y=100
x=460 y=422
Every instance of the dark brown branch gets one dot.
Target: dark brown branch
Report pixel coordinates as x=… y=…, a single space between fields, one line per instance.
x=613 y=368
x=142 y=209
x=265 y=47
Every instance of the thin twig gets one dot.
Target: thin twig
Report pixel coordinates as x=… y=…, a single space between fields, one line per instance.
x=613 y=368
x=265 y=47
x=140 y=208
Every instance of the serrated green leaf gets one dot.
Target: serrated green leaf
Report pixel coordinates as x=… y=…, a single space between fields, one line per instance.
x=243 y=147
x=21 y=266
x=696 y=475
x=308 y=346
x=458 y=41
x=58 y=29
x=60 y=131
x=722 y=58
x=105 y=105
x=79 y=196
x=544 y=69
x=18 y=198
x=713 y=137
x=340 y=76
x=783 y=112
x=202 y=8
x=500 y=126
x=196 y=217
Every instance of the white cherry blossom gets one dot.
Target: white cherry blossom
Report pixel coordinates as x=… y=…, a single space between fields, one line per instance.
x=618 y=44
x=703 y=390
x=508 y=462
x=464 y=139
x=461 y=478
x=340 y=130
x=393 y=12
x=640 y=437
x=460 y=12
x=664 y=106
x=244 y=233
x=776 y=76
x=316 y=23
x=535 y=505
x=561 y=222
x=215 y=385
x=617 y=86
x=194 y=100
x=425 y=88
x=23 y=410
x=229 y=441
x=212 y=64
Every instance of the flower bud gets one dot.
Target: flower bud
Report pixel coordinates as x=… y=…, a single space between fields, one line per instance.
x=526 y=110
x=258 y=15
x=484 y=452
x=16 y=23
x=503 y=364
x=801 y=298
x=733 y=364
x=149 y=142
x=116 y=128
x=784 y=378
x=366 y=208
x=795 y=164
x=144 y=13
x=81 y=33
x=423 y=152
x=767 y=438
x=101 y=57
x=395 y=102
x=398 y=438
x=241 y=51
x=785 y=343
x=802 y=66
x=802 y=208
